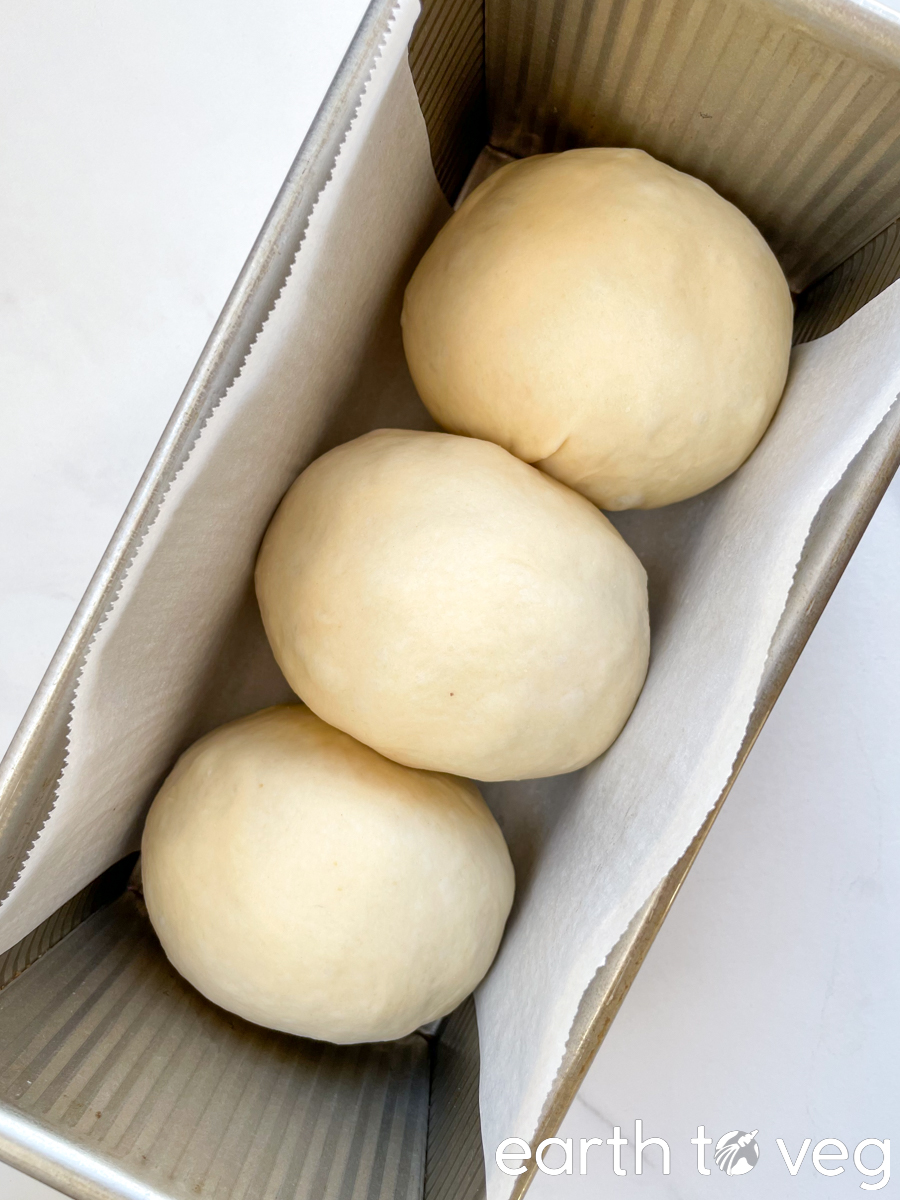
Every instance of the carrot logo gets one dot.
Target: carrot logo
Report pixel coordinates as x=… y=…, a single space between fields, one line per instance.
x=737 y=1153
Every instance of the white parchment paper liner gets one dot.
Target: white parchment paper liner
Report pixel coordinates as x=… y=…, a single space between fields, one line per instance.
x=182 y=649
x=595 y=844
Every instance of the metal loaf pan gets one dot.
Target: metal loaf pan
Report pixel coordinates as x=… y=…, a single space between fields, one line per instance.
x=116 y=1079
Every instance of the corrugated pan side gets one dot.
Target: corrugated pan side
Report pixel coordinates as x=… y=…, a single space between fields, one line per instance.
x=455 y=1161
x=117 y=1079
x=102 y=891
x=449 y=58
x=446 y=58
x=828 y=303
x=794 y=119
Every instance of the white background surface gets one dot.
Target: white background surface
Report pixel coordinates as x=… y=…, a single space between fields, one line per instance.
x=141 y=147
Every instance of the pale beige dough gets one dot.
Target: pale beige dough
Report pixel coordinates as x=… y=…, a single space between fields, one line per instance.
x=453 y=607
x=606 y=317
x=300 y=880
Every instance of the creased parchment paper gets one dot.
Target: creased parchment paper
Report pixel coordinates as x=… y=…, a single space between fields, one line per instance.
x=182 y=648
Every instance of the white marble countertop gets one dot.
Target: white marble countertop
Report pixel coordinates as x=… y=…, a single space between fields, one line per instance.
x=142 y=145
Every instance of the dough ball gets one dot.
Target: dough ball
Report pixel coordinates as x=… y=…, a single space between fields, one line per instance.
x=451 y=606
x=304 y=882
x=607 y=318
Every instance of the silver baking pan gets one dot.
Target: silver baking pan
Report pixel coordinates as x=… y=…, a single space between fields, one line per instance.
x=116 y=1079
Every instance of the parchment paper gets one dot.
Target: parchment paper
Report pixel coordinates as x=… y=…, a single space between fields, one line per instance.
x=591 y=847
x=182 y=649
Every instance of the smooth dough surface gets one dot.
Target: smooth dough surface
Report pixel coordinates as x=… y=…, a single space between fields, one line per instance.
x=453 y=607
x=604 y=316
x=302 y=881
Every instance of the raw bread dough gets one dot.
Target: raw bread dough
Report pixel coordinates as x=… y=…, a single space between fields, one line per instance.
x=453 y=607
x=606 y=317
x=304 y=882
